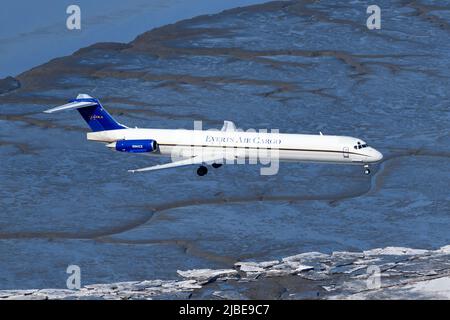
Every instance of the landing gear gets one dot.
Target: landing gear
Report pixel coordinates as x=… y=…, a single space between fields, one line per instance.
x=202 y=170
x=216 y=165
x=366 y=169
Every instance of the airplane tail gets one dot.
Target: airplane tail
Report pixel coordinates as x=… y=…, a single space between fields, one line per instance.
x=92 y=112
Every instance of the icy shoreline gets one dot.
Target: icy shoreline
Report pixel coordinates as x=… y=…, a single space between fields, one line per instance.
x=405 y=273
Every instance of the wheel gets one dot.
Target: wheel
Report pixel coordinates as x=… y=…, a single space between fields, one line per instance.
x=202 y=170
x=216 y=165
x=367 y=171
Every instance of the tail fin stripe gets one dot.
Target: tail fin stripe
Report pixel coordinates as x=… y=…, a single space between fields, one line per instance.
x=92 y=112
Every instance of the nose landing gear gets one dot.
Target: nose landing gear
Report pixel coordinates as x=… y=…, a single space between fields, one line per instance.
x=366 y=169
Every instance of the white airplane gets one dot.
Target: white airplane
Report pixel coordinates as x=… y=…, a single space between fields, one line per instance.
x=201 y=147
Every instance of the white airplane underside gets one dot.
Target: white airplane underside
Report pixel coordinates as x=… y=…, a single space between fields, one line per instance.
x=227 y=146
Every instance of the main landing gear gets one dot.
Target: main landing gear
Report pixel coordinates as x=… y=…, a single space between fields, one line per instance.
x=366 y=169
x=202 y=170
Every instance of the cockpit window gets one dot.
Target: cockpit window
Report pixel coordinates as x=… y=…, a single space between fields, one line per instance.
x=360 y=146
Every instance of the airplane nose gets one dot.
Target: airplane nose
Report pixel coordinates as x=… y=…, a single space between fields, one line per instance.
x=377 y=155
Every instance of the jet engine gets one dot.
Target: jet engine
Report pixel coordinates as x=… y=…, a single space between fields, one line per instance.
x=134 y=146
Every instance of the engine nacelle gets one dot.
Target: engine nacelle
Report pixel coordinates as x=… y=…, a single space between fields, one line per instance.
x=136 y=146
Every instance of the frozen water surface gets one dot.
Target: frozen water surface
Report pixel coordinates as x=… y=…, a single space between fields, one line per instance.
x=293 y=66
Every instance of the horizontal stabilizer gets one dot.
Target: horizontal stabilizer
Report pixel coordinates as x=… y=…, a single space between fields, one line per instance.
x=72 y=105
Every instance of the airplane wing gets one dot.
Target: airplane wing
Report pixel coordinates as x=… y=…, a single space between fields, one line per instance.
x=228 y=126
x=185 y=162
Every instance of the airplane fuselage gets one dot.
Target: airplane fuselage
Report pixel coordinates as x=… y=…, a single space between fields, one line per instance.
x=289 y=147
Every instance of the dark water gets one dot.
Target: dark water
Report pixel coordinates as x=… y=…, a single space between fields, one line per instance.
x=39 y=27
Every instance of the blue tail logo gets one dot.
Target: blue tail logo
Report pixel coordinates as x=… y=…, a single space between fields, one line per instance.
x=95 y=116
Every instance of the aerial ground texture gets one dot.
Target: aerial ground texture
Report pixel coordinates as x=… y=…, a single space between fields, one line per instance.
x=300 y=66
